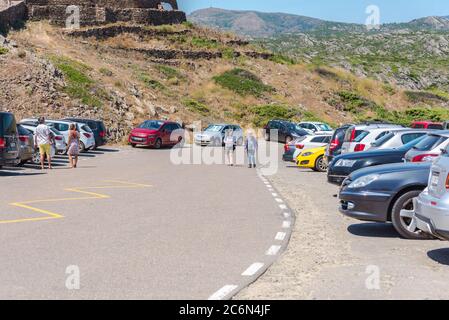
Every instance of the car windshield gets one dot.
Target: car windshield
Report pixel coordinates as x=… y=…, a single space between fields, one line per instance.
x=406 y=147
x=7 y=125
x=324 y=127
x=383 y=140
x=151 y=125
x=214 y=128
x=429 y=142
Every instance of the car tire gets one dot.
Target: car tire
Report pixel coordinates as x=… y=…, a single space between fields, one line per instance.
x=158 y=144
x=402 y=217
x=82 y=147
x=36 y=158
x=22 y=163
x=320 y=164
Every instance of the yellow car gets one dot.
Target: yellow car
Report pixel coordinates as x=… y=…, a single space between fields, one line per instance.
x=313 y=159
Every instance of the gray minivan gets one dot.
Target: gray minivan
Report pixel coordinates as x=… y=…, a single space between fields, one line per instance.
x=9 y=141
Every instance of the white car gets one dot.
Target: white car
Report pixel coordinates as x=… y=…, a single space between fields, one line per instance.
x=87 y=139
x=360 y=137
x=316 y=127
x=311 y=142
x=60 y=145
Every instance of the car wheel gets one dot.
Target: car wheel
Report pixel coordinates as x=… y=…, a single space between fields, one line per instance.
x=403 y=217
x=133 y=145
x=36 y=158
x=320 y=164
x=288 y=139
x=22 y=163
x=82 y=147
x=267 y=136
x=158 y=143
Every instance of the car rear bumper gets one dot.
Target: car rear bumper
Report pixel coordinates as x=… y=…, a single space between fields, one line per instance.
x=431 y=217
x=288 y=158
x=365 y=206
x=9 y=161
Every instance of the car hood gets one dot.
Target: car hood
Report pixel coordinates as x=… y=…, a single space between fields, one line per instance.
x=370 y=154
x=209 y=133
x=391 y=168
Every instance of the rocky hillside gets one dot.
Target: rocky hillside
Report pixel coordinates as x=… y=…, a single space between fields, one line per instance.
x=127 y=73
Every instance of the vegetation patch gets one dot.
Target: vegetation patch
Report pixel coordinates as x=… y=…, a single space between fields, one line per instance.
x=150 y=82
x=263 y=113
x=282 y=59
x=79 y=84
x=204 y=43
x=169 y=72
x=425 y=97
x=196 y=106
x=106 y=72
x=243 y=83
x=353 y=102
x=3 y=50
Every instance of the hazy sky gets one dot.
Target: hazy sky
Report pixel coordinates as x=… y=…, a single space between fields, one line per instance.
x=335 y=10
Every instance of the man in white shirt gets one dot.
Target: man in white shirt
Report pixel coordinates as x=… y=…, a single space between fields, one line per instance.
x=42 y=139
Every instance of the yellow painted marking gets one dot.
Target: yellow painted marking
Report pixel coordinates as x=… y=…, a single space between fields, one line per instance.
x=90 y=196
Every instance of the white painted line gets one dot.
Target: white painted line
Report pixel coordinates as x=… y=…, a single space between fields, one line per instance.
x=274 y=194
x=279 y=200
x=286 y=214
x=283 y=206
x=223 y=292
x=269 y=186
x=280 y=236
x=271 y=190
x=252 y=270
x=286 y=224
x=266 y=182
x=273 y=250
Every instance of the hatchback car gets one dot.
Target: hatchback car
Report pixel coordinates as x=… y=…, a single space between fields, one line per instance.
x=386 y=194
x=286 y=131
x=316 y=127
x=427 y=125
x=214 y=135
x=432 y=205
x=97 y=127
x=429 y=148
x=294 y=148
x=157 y=134
x=59 y=141
x=26 y=138
x=9 y=141
x=313 y=159
x=359 y=138
x=396 y=139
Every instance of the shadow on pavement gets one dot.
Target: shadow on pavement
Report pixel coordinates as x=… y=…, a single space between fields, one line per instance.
x=440 y=255
x=374 y=230
x=18 y=174
x=104 y=150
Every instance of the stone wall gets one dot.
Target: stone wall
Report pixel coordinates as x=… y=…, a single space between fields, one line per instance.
x=12 y=15
x=93 y=12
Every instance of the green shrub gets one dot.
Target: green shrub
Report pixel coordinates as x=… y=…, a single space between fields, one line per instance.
x=263 y=113
x=149 y=82
x=228 y=53
x=196 y=106
x=3 y=50
x=425 y=97
x=204 y=43
x=353 y=101
x=106 y=72
x=242 y=82
x=281 y=59
x=169 y=72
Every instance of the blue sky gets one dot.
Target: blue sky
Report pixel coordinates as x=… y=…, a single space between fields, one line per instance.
x=335 y=10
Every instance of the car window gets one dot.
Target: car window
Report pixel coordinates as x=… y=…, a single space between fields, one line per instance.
x=382 y=134
x=327 y=139
x=361 y=135
x=214 y=128
x=61 y=126
x=430 y=142
x=408 y=137
x=151 y=125
x=324 y=127
x=93 y=125
x=318 y=140
x=383 y=140
x=86 y=128
x=23 y=131
x=8 y=125
x=274 y=125
x=419 y=126
x=435 y=126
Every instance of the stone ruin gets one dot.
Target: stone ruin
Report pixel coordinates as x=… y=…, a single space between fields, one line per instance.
x=97 y=12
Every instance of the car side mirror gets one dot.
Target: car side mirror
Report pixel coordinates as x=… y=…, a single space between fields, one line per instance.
x=444 y=151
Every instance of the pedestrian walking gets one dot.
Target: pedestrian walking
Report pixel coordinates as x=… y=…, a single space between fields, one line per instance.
x=73 y=146
x=229 y=147
x=43 y=140
x=251 y=147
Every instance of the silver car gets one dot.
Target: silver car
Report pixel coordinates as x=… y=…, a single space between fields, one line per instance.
x=215 y=133
x=397 y=139
x=428 y=149
x=432 y=205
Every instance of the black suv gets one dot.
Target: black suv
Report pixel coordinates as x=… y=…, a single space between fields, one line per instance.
x=287 y=131
x=97 y=127
x=9 y=141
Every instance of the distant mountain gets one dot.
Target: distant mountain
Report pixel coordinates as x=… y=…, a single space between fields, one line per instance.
x=263 y=25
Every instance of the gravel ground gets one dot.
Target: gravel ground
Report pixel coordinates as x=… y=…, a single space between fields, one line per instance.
x=334 y=257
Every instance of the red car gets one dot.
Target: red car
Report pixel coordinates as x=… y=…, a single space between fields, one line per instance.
x=157 y=134
x=427 y=125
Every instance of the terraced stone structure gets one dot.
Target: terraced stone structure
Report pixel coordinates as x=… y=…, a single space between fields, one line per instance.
x=97 y=12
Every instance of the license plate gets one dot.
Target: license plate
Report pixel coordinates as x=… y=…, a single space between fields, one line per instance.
x=435 y=180
x=137 y=139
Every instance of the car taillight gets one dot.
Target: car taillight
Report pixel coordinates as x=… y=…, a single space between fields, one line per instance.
x=300 y=146
x=286 y=147
x=102 y=134
x=59 y=138
x=352 y=135
x=87 y=135
x=359 y=147
x=334 y=144
x=23 y=138
x=447 y=182
x=2 y=143
x=424 y=157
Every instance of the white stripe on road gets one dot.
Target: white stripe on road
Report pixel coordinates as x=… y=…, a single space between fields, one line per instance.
x=252 y=270
x=223 y=292
x=273 y=250
x=279 y=200
x=274 y=194
x=286 y=224
x=283 y=206
x=286 y=214
x=280 y=236
x=269 y=186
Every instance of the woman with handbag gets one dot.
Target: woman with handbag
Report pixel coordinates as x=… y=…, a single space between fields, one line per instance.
x=73 y=145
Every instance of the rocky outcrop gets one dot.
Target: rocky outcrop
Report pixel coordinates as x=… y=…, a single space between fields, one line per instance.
x=12 y=15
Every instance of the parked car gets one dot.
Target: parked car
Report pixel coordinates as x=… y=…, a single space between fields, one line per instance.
x=316 y=127
x=386 y=194
x=9 y=141
x=157 y=134
x=87 y=140
x=294 y=148
x=214 y=135
x=359 y=137
x=429 y=148
x=26 y=139
x=313 y=159
x=59 y=140
x=396 y=139
x=287 y=131
x=97 y=127
x=432 y=205
x=334 y=148
x=342 y=166
x=427 y=125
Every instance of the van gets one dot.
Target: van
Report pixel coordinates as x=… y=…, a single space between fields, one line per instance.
x=9 y=141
